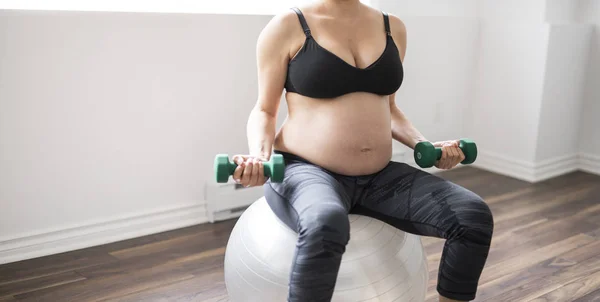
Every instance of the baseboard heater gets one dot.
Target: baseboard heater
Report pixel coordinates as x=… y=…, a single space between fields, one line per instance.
x=229 y=200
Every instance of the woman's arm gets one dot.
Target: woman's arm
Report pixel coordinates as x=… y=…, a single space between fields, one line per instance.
x=272 y=56
x=402 y=129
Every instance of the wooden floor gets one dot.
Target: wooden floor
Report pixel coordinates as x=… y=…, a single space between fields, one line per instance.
x=546 y=247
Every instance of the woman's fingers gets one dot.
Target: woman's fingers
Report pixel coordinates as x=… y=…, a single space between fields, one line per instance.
x=452 y=155
x=458 y=154
x=462 y=155
x=453 y=150
x=444 y=158
x=261 y=173
x=237 y=173
x=247 y=172
x=254 y=176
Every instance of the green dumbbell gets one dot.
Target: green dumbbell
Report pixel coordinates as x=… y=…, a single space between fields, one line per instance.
x=274 y=168
x=426 y=154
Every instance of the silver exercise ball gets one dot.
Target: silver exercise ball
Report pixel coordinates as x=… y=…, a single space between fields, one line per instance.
x=381 y=263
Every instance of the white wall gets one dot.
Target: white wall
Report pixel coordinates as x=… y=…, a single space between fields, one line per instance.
x=562 y=11
x=454 y=8
x=532 y=66
x=437 y=85
x=508 y=85
x=590 y=134
x=529 y=11
x=244 y=7
x=588 y=11
x=590 y=137
x=432 y=96
x=562 y=99
x=508 y=89
x=110 y=115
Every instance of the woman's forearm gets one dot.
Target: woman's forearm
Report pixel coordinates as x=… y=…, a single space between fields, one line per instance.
x=261 y=129
x=404 y=131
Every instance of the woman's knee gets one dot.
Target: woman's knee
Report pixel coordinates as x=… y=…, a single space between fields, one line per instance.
x=327 y=226
x=475 y=220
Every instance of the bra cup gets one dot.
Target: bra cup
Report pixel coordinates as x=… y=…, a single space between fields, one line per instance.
x=318 y=73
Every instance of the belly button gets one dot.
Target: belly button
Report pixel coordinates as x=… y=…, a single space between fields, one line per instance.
x=365 y=150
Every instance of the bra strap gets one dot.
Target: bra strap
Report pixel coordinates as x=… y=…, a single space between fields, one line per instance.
x=386 y=20
x=302 y=21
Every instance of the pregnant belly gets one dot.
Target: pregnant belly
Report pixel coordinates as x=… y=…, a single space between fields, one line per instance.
x=346 y=139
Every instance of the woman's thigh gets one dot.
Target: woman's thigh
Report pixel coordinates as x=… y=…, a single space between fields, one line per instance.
x=425 y=204
x=308 y=196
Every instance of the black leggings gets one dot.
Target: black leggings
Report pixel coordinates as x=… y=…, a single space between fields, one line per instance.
x=316 y=202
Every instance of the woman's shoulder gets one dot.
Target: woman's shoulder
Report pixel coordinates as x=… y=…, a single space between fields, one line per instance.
x=398 y=32
x=282 y=28
x=283 y=24
x=396 y=24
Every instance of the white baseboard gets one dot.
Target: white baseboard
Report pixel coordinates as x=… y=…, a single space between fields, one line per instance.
x=589 y=163
x=111 y=230
x=535 y=172
x=504 y=165
x=555 y=167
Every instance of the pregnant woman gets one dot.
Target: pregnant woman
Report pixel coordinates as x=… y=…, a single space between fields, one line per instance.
x=340 y=63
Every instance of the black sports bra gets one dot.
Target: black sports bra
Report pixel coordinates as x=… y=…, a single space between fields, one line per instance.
x=318 y=73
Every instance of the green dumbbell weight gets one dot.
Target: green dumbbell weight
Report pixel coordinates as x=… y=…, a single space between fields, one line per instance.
x=273 y=169
x=426 y=154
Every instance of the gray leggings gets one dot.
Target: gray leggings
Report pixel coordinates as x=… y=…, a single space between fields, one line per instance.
x=316 y=202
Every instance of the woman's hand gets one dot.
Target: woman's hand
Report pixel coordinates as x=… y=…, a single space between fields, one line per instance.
x=250 y=170
x=452 y=155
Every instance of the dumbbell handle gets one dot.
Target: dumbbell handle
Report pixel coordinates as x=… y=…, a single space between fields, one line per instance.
x=231 y=166
x=273 y=169
x=438 y=150
x=426 y=154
